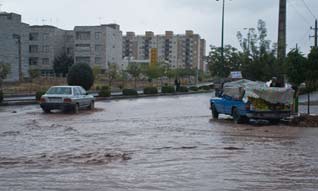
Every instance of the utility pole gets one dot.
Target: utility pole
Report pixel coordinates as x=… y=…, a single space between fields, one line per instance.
x=18 y=38
x=316 y=33
x=281 y=52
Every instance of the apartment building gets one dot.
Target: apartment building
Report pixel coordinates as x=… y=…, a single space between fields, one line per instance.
x=45 y=44
x=179 y=51
x=14 y=45
x=98 y=45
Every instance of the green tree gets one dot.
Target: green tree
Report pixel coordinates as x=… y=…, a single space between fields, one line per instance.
x=4 y=71
x=112 y=73
x=81 y=75
x=62 y=64
x=232 y=61
x=34 y=73
x=296 y=67
x=97 y=71
x=153 y=71
x=258 y=56
x=134 y=70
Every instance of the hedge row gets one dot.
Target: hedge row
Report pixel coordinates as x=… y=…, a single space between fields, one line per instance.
x=150 y=90
x=104 y=91
x=130 y=92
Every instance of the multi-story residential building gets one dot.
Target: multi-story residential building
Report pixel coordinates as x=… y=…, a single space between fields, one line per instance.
x=46 y=44
x=179 y=51
x=14 y=45
x=98 y=45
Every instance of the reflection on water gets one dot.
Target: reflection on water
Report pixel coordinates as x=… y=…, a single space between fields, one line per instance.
x=167 y=143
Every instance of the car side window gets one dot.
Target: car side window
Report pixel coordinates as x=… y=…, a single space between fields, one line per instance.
x=83 y=92
x=77 y=92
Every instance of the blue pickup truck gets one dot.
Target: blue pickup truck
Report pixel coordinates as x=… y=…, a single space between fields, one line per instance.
x=243 y=107
x=242 y=112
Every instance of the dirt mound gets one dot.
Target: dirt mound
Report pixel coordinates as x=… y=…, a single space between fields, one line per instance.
x=304 y=121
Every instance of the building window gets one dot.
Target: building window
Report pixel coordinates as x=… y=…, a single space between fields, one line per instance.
x=99 y=48
x=46 y=36
x=83 y=47
x=33 y=61
x=98 y=60
x=83 y=35
x=46 y=48
x=33 y=48
x=82 y=60
x=45 y=61
x=34 y=36
x=98 y=36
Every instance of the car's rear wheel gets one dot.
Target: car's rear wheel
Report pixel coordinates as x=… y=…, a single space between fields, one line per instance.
x=76 y=108
x=215 y=113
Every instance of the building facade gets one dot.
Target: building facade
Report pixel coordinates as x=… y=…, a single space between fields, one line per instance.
x=45 y=44
x=98 y=45
x=14 y=45
x=179 y=51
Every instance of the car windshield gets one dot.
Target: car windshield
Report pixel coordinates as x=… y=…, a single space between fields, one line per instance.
x=59 y=91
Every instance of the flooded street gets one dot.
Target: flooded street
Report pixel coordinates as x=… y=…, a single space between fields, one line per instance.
x=164 y=143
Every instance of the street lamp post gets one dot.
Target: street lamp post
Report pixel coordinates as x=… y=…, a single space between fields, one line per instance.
x=222 y=38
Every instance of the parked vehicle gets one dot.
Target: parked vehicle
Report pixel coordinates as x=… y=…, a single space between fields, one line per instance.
x=245 y=100
x=66 y=98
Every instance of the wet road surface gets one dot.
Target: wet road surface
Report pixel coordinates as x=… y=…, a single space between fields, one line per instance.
x=164 y=143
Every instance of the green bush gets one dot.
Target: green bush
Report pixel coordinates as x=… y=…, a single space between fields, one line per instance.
x=183 y=89
x=204 y=88
x=104 y=91
x=129 y=92
x=1 y=96
x=150 y=90
x=168 y=89
x=39 y=94
x=81 y=75
x=97 y=88
x=194 y=89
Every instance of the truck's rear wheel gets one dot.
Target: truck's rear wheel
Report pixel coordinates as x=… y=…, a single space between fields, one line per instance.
x=215 y=113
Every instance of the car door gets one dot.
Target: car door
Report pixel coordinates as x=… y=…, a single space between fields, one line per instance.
x=77 y=95
x=85 y=98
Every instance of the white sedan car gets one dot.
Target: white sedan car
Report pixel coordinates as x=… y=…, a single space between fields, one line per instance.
x=66 y=98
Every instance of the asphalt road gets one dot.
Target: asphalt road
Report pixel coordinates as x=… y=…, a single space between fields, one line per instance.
x=162 y=143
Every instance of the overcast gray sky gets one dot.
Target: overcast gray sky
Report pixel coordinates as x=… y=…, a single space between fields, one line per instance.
x=202 y=16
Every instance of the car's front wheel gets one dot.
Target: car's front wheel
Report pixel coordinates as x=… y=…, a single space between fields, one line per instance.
x=236 y=115
x=215 y=113
x=92 y=105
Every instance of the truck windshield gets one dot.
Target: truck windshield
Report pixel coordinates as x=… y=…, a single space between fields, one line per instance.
x=59 y=91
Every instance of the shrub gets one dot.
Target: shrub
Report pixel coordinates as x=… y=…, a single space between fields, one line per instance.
x=97 y=88
x=204 y=88
x=183 y=89
x=39 y=94
x=194 y=89
x=104 y=91
x=150 y=90
x=81 y=75
x=168 y=89
x=130 y=92
x=1 y=96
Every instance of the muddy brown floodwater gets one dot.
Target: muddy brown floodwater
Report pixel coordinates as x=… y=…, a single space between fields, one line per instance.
x=164 y=143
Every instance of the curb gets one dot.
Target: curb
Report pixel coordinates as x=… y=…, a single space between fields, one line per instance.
x=33 y=102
